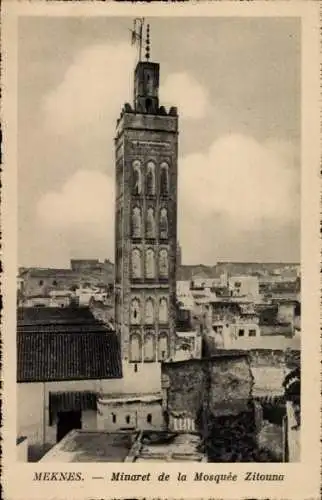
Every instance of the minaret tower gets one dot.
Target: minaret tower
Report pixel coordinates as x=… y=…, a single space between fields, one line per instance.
x=146 y=152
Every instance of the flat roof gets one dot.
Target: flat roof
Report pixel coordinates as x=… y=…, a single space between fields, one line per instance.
x=130 y=398
x=163 y=446
x=92 y=446
x=127 y=446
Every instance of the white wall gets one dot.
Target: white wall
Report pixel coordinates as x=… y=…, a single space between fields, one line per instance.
x=249 y=286
x=30 y=415
x=22 y=451
x=146 y=380
x=293 y=435
x=137 y=411
x=33 y=407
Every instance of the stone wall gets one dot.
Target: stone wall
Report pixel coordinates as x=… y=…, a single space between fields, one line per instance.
x=222 y=384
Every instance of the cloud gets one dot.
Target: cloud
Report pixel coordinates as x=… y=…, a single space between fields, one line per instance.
x=83 y=199
x=242 y=178
x=97 y=84
x=81 y=214
x=239 y=198
x=188 y=94
x=94 y=88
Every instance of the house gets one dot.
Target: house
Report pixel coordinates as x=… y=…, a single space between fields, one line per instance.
x=40 y=281
x=244 y=286
x=65 y=358
x=51 y=300
x=230 y=322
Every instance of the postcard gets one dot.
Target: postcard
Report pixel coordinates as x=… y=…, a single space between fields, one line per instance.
x=160 y=215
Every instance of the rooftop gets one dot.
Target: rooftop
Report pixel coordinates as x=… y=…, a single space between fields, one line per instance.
x=54 y=315
x=127 y=446
x=65 y=344
x=162 y=446
x=92 y=446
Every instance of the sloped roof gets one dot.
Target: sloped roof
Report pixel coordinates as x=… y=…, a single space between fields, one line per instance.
x=73 y=347
x=67 y=356
x=66 y=316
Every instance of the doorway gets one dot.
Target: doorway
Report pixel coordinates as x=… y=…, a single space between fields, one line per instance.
x=67 y=421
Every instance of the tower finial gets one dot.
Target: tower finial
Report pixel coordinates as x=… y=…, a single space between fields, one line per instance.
x=147 y=48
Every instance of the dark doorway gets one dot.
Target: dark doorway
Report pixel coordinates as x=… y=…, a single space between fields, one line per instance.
x=67 y=421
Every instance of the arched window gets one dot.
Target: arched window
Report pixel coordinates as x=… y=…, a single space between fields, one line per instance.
x=148 y=84
x=135 y=348
x=163 y=351
x=150 y=223
x=163 y=310
x=163 y=263
x=150 y=264
x=137 y=178
x=136 y=263
x=119 y=262
x=113 y=418
x=118 y=308
x=149 y=311
x=150 y=179
x=127 y=419
x=119 y=223
x=149 y=418
x=135 y=312
x=149 y=347
x=163 y=223
x=164 y=178
x=136 y=223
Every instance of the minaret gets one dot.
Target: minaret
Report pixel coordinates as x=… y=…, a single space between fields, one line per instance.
x=146 y=151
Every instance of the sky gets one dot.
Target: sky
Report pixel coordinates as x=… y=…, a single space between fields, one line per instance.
x=236 y=83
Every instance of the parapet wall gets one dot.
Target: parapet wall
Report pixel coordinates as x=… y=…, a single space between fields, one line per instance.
x=223 y=383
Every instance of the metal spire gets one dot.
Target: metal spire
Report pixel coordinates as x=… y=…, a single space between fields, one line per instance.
x=147 y=47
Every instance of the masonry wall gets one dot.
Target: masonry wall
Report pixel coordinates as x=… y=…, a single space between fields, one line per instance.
x=222 y=385
x=126 y=415
x=231 y=383
x=183 y=386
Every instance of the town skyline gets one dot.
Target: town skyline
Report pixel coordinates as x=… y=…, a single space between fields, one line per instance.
x=66 y=182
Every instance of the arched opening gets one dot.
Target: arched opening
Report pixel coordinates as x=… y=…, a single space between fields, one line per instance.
x=163 y=347
x=135 y=348
x=149 y=347
x=149 y=418
x=148 y=105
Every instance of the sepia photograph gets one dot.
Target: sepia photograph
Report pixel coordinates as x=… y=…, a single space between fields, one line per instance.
x=159 y=239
